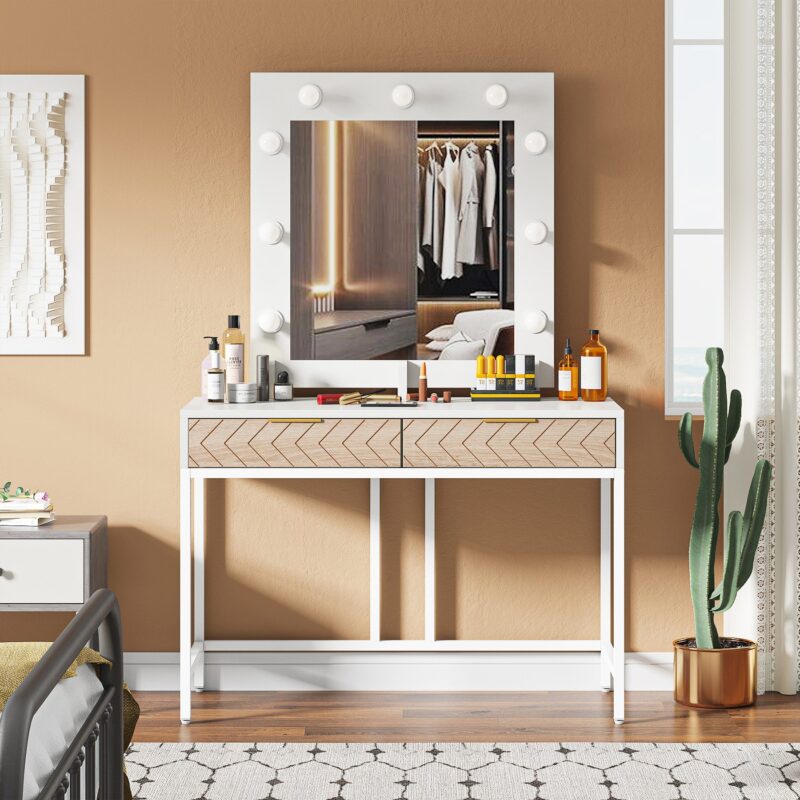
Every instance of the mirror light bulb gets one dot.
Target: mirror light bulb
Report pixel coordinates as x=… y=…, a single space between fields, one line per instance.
x=403 y=95
x=497 y=95
x=536 y=143
x=536 y=232
x=536 y=321
x=270 y=142
x=270 y=232
x=310 y=95
x=270 y=321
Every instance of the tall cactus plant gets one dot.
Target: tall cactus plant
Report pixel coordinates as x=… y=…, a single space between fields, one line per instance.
x=720 y=427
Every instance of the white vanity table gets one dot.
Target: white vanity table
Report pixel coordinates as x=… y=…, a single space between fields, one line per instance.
x=345 y=292
x=462 y=439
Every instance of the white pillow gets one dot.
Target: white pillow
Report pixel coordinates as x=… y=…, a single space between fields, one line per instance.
x=442 y=333
x=458 y=336
x=462 y=350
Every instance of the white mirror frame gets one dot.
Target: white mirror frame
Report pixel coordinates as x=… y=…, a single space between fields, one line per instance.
x=368 y=96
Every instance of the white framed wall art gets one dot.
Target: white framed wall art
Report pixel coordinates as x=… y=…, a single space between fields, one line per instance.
x=42 y=215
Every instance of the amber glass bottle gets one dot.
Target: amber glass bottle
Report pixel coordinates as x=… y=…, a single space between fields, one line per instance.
x=594 y=368
x=567 y=375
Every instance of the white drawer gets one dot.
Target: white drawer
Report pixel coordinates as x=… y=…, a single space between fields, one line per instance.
x=41 y=571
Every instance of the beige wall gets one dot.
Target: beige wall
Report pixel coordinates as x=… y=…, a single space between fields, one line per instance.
x=168 y=259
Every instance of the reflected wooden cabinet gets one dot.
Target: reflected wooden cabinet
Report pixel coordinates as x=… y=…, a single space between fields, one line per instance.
x=354 y=196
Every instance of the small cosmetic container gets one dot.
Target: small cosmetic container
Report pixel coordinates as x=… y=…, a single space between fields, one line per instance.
x=282 y=387
x=519 y=372
x=241 y=393
x=283 y=391
x=262 y=378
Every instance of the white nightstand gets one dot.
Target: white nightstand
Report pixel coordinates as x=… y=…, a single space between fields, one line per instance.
x=55 y=567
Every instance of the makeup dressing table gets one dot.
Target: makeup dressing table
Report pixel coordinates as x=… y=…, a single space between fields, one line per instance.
x=344 y=273
x=462 y=439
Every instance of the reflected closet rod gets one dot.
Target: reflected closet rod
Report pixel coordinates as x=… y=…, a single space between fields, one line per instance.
x=466 y=136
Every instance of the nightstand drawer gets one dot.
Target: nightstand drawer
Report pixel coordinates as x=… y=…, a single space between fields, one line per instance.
x=538 y=442
x=39 y=571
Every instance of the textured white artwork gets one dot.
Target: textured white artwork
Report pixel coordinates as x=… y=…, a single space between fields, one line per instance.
x=41 y=214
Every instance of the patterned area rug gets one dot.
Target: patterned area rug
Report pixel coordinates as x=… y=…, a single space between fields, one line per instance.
x=521 y=771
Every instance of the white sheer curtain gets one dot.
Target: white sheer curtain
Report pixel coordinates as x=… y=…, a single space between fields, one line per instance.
x=764 y=308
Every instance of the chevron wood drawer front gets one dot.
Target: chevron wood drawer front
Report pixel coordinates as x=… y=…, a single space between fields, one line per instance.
x=509 y=443
x=294 y=443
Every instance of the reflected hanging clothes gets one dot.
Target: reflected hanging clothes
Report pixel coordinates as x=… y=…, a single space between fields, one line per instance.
x=490 y=207
x=433 y=210
x=470 y=233
x=450 y=180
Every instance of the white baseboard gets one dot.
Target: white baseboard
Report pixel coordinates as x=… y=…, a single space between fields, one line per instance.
x=400 y=671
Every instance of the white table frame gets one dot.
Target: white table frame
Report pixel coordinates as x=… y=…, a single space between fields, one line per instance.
x=194 y=645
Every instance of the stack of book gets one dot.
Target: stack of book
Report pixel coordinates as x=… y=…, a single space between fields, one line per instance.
x=28 y=511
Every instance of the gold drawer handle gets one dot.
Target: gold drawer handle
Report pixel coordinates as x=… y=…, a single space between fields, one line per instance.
x=299 y=419
x=515 y=419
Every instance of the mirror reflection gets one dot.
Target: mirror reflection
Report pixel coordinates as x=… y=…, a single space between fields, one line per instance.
x=402 y=239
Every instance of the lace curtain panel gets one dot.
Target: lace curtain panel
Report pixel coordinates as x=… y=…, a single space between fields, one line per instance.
x=770 y=297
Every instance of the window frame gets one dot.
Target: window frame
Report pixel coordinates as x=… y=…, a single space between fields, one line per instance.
x=673 y=408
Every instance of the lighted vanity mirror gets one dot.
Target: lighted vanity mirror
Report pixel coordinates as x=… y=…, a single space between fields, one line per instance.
x=402 y=239
x=345 y=286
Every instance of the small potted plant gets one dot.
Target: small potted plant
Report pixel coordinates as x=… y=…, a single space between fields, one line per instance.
x=713 y=671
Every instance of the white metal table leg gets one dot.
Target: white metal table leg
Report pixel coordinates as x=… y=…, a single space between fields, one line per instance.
x=605 y=582
x=375 y=559
x=430 y=559
x=199 y=525
x=186 y=596
x=619 y=596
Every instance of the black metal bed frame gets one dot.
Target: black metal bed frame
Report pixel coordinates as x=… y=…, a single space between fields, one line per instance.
x=102 y=726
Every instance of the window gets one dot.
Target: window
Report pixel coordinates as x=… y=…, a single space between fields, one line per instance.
x=696 y=194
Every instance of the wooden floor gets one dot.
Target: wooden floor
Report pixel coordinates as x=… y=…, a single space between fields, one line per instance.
x=457 y=716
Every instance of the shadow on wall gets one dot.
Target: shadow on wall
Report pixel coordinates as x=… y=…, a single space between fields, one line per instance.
x=16 y=626
x=139 y=562
x=503 y=548
x=518 y=559
x=318 y=559
x=320 y=569
x=615 y=284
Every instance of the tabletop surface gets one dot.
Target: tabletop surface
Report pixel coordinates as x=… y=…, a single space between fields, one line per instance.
x=62 y=524
x=460 y=407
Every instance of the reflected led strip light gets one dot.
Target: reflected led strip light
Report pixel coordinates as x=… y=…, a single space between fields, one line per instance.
x=323 y=292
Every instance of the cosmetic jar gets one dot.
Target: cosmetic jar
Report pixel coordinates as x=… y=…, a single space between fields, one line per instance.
x=282 y=388
x=241 y=393
x=283 y=391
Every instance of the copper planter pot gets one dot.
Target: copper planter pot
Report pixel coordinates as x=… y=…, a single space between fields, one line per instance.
x=724 y=678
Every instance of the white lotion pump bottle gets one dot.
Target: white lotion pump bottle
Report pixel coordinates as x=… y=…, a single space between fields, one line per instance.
x=212 y=361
